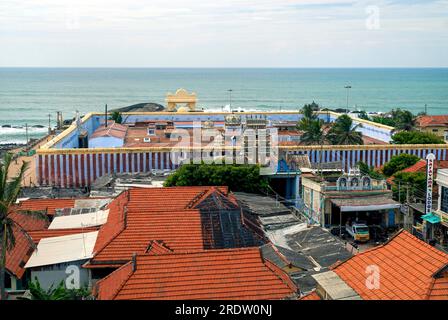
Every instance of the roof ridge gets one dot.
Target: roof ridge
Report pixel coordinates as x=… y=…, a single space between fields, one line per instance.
x=338 y=263
x=202 y=251
x=279 y=273
x=430 y=288
x=280 y=254
x=196 y=199
x=112 y=274
x=121 y=229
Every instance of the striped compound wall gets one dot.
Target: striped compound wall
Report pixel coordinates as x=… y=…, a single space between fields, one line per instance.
x=60 y=162
x=80 y=168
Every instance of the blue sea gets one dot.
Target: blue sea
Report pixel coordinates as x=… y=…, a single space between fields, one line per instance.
x=28 y=95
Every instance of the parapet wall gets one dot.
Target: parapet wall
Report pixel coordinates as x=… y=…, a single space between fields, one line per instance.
x=60 y=163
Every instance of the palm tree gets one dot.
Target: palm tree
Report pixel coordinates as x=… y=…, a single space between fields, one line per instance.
x=343 y=132
x=404 y=120
x=314 y=134
x=116 y=116
x=309 y=115
x=9 y=190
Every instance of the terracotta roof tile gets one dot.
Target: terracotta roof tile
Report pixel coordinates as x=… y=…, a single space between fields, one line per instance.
x=210 y=274
x=139 y=216
x=46 y=204
x=426 y=121
x=19 y=255
x=311 y=296
x=113 y=129
x=407 y=266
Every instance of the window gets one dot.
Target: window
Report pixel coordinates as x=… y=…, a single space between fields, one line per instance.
x=444 y=202
x=151 y=132
x=435 y=130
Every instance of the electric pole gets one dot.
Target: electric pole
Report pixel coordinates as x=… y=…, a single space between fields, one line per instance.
x=348 y=90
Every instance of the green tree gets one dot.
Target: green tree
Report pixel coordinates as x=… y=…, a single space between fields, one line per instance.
x=363 y=115
x=343 y=132
x=387 y=121
x=244 y=178
x=401 y=120
x=370 y=171
x=416 y=137
x=116 y=116
x=309 y=116
x=58 y=293
x=414 y=181
x=404 y=120
x=10 y=188
x=398 y=163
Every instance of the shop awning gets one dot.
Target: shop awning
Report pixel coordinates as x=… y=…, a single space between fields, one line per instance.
x=365 y=204
x=431 y=218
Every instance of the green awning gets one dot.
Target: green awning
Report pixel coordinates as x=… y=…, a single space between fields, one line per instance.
x=431 y=218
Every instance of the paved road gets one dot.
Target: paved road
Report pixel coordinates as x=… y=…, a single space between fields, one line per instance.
x=29 y=178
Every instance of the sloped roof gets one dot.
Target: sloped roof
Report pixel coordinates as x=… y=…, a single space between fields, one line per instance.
x=113 y=129
x=67 y=248
x=365 y=203
x=427 y=121
x=283 y=257
x=163 y=214
x=19 y=255
x=420 y=166
x=407 y=267
x=439 y=288
x=311 y=296
x=212 y=274
x=91 y=219
x=37 y=235
x=50 y=205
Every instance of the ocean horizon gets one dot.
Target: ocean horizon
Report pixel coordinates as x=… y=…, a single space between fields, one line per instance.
x=28 y=95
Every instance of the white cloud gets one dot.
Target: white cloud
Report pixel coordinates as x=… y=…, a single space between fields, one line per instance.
x=218 y=33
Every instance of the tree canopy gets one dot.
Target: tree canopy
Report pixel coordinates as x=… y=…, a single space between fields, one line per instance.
x=398 y=163
x=116 y=116
x=10 y=188
x=60 y=292
x=415 y=181
x=416 y=137
x=343 y=132
x=245 y=178
x=370 y=171
x=397 y=118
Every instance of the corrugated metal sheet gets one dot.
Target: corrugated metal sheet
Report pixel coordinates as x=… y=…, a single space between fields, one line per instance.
x=92 y=219
x=63 y=249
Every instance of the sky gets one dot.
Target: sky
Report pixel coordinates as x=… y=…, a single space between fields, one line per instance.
x=225 y=33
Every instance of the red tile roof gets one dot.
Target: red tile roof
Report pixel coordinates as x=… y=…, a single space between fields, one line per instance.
x=46 y=204
x=420 y=166
x=311 y=296
x=19 y=255
x=439 y=288
x=427 y=121
x=213 y=274
x=163 y=214
x=112 y=130
x=407 y=267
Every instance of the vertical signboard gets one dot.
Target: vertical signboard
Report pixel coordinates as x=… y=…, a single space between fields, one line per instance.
x=429 y=181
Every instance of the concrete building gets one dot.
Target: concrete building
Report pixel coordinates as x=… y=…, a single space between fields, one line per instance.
x=442 y=208
x=437 y=125
x=110 y=136
x=333 y=199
